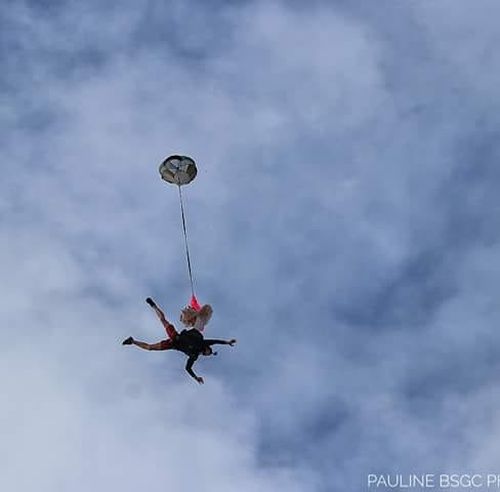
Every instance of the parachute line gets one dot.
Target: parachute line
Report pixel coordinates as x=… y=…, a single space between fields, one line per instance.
x=184 y=229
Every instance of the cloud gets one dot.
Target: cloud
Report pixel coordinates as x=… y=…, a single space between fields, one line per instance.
x=342 y=224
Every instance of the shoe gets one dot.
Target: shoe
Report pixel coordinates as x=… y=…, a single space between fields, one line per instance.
x=128 y=341
x=150 y=302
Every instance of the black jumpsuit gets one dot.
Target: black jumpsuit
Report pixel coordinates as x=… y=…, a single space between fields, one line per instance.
x=192 y=343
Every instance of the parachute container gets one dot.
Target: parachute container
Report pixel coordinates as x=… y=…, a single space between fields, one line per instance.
x=194 y=303
x=178 y=169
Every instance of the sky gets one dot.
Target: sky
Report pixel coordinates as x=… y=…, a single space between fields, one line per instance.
x=344 y=224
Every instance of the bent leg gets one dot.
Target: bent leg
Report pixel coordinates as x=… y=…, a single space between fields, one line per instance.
x=169 y=327
x=163 y=345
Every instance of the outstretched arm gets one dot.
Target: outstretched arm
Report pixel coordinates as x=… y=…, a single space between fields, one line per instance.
x=189 y=369
x=215 y=341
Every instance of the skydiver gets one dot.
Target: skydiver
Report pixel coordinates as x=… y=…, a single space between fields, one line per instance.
x=190 y=342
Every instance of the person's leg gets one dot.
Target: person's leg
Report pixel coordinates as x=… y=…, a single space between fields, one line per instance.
x=163 y=345
x=169 y=327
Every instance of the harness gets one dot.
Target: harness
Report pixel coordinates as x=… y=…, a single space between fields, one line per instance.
x=190 y=342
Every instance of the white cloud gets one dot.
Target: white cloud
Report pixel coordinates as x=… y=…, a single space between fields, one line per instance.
x=320 y=199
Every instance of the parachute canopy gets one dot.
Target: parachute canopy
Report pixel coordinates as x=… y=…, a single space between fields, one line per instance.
x=178 y=169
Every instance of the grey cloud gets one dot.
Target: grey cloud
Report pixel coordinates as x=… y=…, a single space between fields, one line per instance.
x=343 y=226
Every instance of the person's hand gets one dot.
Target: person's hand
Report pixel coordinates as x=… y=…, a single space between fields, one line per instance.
x=151 y=302
x=232 y=342
x=200 y=379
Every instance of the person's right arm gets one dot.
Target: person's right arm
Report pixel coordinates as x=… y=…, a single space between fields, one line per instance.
x=189 y=369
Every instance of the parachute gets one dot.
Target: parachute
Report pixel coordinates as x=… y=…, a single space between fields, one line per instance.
x=180 y=170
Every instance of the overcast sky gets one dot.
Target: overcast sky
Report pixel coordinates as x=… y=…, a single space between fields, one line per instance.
x=344 y=225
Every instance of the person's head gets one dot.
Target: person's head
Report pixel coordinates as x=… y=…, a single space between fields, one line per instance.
x=207 y=350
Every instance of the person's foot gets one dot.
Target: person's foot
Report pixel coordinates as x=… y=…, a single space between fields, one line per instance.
x=128 y=341
x=150 y=302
